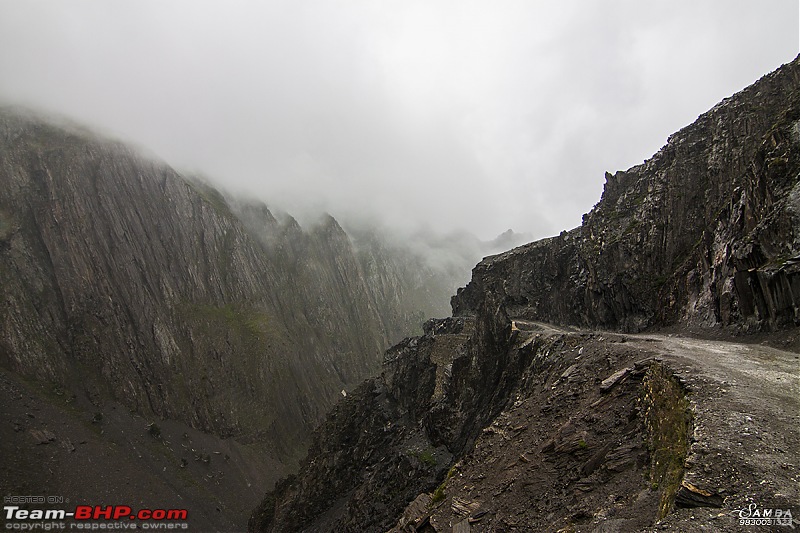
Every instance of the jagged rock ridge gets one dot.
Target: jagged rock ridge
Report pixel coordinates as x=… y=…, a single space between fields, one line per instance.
x=703 y=234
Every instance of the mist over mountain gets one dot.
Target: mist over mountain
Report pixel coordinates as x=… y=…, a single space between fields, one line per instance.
x=454 y=114
x=128 y=284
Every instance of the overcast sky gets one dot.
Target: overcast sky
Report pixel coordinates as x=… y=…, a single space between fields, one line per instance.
x=455 y=114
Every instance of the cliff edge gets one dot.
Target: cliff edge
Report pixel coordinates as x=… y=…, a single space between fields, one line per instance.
x=520 y=414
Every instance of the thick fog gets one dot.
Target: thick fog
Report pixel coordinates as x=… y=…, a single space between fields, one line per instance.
x=470 y=115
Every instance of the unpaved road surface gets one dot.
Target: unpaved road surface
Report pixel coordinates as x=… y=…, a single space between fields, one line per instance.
x=746 y=441
x=746 y=400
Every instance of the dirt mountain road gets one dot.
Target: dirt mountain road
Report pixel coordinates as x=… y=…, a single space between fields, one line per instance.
x=746 y=401
x=746 y=440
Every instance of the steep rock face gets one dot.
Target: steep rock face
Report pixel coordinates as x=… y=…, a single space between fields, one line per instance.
x=396 y=435
x=705 y=232
x=124 y=280
x=401 y=277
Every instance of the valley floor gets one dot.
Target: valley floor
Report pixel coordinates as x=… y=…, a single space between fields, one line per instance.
x=54 y=443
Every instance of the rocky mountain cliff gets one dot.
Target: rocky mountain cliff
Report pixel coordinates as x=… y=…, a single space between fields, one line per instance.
x=703 y=233
x=491 y=421
x=129 y=284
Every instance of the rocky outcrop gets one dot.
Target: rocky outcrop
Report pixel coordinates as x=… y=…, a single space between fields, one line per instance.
x=545 y=429
x=397 y=434
x=703 y=233
x=481 y=422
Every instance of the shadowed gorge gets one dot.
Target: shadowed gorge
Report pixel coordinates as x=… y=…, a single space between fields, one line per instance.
x=125 y=283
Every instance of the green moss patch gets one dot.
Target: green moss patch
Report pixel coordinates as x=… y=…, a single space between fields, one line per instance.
x=668 y=421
